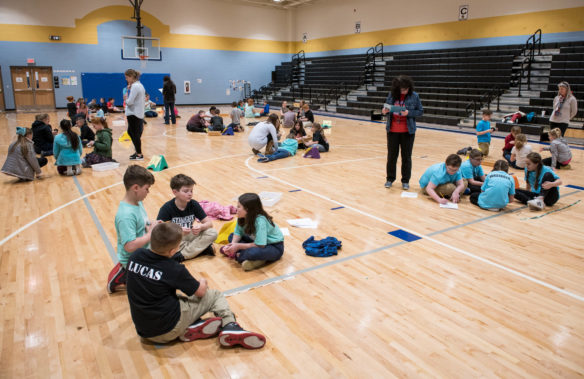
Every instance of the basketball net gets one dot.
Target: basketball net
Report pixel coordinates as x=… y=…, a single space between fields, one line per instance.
x=143 y=60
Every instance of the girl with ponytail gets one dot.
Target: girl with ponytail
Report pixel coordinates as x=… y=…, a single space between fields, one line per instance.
x=67 y=149
x=21 y=161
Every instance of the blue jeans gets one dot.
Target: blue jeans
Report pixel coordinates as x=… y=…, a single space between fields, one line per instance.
x=279 y=154
x=270 y=253
x=169 y=111
x=320 y=147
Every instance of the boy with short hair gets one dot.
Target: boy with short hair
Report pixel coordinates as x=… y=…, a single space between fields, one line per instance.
x=198 y=232
x=217 y=121
x=443 y=180
x=132 y=225
x=498 y=189
x=86 y=134
x=484 y=130
x=266 y=110
x=289 y=117
x=472 y=172
x=161 y=316
x=236 y=114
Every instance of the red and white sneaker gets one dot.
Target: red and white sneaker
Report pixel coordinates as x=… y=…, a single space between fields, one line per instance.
x=116 y=278
x=202 y=329
x=232 y=334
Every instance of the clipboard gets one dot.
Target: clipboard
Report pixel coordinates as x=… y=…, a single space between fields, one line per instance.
x=394 y=108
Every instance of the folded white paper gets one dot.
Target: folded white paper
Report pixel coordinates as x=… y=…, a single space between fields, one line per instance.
x=303 y=223
x=412 y=195
x=285 y=231
x=449 y=205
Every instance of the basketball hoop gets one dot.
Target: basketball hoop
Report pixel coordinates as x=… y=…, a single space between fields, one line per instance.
x=143 y=60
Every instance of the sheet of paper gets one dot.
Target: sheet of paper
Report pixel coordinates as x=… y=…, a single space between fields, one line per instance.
x=303 y=223
x=118 y=123
x=449 y=205
x=412 y=195
x=285 y=231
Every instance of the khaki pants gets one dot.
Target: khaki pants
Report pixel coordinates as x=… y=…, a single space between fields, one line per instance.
x=484 y=148
x=445 y=190
x=192 y=308
x=192 y=245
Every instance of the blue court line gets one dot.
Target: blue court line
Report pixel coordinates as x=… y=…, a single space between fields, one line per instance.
x=403 y=235
x=296 y=190
x=290 y=275
x=104 y=238
x=334 y=209
x=420 y=126
x=575 y=187
x=262 y=177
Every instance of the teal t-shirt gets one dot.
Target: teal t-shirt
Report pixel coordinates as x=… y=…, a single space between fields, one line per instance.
x=530 y=178
x=469 y=171
x=289 y=144
x=496 y=189
x=265 y=233
x=481 y=127
x=438 y=175
x=130 y=224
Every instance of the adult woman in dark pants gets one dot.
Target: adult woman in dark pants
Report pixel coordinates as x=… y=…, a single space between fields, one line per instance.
x=135 y=102
x=401 y=128
x=168 y=92
x=565 y=109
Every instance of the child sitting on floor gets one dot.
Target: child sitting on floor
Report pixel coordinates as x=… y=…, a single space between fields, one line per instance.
x=443 y=180
x=160 y=315
x=102 y=145
x=510 y=142
x=67 y=149
x=148 y=105
x=299 y=134
x=257 y=240
x=542 y=184
x=318 y=139
x=198 y=232
x=21 y=160
x=498 y=189
x=561 y=153
x=519 y=152
x=287 y=149
x=472 y=172
x=217 y=121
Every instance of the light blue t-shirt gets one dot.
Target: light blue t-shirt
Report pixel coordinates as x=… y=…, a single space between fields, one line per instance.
x=530 y=178
x=496 y=189
x=265 y=232
x=130 y=224
x=99 y=113
x=438 y=175
x=291 y=145
x=481 y=127
x=469 y=171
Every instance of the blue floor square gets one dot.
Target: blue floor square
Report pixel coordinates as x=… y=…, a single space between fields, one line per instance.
x=402 y=234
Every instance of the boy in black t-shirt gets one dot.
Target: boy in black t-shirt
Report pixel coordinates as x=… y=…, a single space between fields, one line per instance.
x=160 y=315
x=198 y=232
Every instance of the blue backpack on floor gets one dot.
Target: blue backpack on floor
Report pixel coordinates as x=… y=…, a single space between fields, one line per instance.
x=228 y=131
x=323 y=248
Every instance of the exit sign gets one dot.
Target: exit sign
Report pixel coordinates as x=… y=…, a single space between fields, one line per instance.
x=30 y=60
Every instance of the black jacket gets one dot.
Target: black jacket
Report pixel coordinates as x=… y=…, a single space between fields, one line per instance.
x=168 y=91
x=42 y=137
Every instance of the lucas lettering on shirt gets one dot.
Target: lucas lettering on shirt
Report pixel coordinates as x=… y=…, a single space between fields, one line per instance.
x=144 y=271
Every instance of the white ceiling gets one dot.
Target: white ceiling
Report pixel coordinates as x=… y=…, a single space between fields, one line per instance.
x=285 y=4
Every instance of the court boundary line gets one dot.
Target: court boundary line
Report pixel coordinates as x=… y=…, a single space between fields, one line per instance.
x=429 y=238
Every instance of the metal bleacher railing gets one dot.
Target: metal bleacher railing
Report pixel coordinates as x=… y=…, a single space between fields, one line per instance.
x=532 y=44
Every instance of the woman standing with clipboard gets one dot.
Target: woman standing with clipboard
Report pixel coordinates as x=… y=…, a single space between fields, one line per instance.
x=402 y=107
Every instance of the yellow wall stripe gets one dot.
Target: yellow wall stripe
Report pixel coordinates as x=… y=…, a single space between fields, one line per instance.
x=85 y=32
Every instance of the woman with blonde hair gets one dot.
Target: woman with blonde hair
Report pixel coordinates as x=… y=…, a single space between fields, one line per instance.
x=565 y=109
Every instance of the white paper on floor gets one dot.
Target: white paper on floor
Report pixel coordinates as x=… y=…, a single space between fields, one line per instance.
x=412 y=195
x=285 y=231
x=449 y=205
x=303 y=223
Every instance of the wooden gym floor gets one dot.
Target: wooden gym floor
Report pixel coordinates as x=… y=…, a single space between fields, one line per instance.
x=478 y=294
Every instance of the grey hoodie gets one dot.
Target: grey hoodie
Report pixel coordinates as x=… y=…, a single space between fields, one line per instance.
x=560 y=151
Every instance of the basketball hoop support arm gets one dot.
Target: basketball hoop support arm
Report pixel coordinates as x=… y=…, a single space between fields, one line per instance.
x=137 y=4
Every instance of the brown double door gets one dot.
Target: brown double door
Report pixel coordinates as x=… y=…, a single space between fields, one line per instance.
x=33 y=88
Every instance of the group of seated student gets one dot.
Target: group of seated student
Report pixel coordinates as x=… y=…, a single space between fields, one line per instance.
x=66 y=147
x=250 y=111
x=150 y=254
x=449 y=180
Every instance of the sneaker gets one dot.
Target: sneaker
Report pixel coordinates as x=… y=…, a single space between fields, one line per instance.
x=493 y=209
x=536 y=204
x=202 y=329
x=388 y=184
x=262 y=158
x=255 y=151
x=232 y=334
x=77 y=170
x=69 y=171
x=209 y=250
x=405 y=186
x=252 y=265
x=136 y=157
x=466 y=191
x=116 y=278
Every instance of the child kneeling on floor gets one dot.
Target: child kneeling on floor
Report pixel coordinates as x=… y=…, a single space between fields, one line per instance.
x=160 y=315
x=443 y=180
x=497 y=190
x=253 y=220
x=287 y=149
x=198 y=232
x=542 y=184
